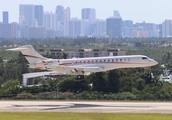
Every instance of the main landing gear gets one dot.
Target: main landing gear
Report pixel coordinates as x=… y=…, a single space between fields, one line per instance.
x=79 y=77
x=80 y=74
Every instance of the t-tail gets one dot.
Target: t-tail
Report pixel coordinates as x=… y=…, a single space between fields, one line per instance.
x=29 y=53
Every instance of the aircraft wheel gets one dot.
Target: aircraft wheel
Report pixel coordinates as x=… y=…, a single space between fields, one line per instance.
x=80 y=77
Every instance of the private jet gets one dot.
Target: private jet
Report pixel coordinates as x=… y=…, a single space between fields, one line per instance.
x=82 y=66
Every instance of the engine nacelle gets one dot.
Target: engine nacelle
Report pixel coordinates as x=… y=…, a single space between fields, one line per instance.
x=38 y=66
x=46 y=62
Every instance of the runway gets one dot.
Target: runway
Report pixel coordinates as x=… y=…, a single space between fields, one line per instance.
x=101 y=107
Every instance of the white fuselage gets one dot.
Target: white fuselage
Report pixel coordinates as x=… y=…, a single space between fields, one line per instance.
x=81 y=66
x=105 y=63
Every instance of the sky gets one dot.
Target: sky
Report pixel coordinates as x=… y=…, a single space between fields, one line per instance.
x=150 y=11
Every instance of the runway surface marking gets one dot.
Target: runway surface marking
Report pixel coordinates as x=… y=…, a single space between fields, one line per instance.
x=103 y=107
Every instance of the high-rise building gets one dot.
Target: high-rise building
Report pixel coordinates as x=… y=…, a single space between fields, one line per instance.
x=127 y=27
x=38 y=32
x=39 y=11
x=26 y=15
x=167 y=28
x=85 y=27
x=60 y=13
x=50 y=20
x=74 y=27
x=89 y=14
x=86 y=13
x=8 y=30
x=140 y=33
x=100 y=28
x=50 y=33
x=114 y=27
x=60 y=20
x=24 y=32
x=127 y=23
x=160 y=30
x=116 y=13
x=5 y=17
x=66 y=20
x=153 y=29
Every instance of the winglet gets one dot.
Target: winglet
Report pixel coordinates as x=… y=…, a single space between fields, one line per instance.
x=16 y=49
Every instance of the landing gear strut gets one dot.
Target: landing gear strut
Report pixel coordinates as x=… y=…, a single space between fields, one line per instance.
x=80 y=77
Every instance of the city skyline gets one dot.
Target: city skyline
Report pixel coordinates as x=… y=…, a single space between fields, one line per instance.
x=150 y=11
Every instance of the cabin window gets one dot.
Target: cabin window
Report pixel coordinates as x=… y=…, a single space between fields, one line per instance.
x=112 y=60
x=116 y=60
x=121 y=60
x=144 y=58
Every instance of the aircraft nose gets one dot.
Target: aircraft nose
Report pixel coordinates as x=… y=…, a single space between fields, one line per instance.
x=153 y=62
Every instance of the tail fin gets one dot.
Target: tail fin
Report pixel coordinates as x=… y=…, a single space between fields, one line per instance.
x=30 y=53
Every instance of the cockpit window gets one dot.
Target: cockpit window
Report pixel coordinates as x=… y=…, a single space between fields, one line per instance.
x=144 y=58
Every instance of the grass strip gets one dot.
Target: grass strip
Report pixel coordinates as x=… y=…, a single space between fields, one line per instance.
x=81 y=116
